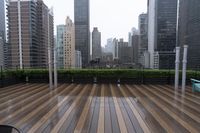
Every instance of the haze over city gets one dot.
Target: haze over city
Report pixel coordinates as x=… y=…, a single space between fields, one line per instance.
x=114 y=18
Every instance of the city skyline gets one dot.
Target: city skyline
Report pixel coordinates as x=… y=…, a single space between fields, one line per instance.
x=114 y=11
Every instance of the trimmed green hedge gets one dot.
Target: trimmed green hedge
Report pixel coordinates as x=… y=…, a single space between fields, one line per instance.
x=102 y=73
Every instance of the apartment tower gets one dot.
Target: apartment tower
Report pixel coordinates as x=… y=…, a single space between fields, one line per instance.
x=69 y=45
x=30 y=34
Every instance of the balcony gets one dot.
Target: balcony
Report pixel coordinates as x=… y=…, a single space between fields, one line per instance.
x=99 y=108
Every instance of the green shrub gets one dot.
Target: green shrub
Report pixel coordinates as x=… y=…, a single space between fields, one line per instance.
x=101 y=73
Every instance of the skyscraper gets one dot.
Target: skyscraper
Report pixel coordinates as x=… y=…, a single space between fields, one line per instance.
x=189 y=30
x=2 y=32
x=61 y=29
x=2 y=18
x=162 y=19
x=143 y=37
x=96 y=44
x=30 y=33
x=82 y=29
x=143 y=31
x=125 y=52
x=69 y=45
x=1 y=52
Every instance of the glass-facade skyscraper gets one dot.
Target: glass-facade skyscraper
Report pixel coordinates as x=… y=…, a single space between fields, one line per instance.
x=162 y=19
x=189 y=30
x=82 y=29
x=2 y=18
x=2 y=32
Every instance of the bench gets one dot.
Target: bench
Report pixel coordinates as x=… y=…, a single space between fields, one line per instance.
x=195 y=85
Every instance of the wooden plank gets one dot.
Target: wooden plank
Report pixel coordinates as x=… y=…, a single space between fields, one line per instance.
x=17 y=92
x=150 y=109
x=95 y=116
x=120 y=118
x=27 y=108
x=88 y=121
x=82 y=119
x=191 y=94
x=176 y=108
x=70 y=123
x=179 y=93
x=11 y=88
x=53 y=120
x=153 y=125
x=142 y=123
x=22 y=97
x=101 y=123
x=11 y=106
x=188 y=105
x=107 y=114
x=132 y=125
x=60 y=123
x=169 y=112
x=48 y=115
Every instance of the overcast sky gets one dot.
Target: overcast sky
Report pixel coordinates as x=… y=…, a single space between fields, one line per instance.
x=114 y=18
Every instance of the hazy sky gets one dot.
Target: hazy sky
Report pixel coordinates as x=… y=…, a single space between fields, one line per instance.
x=114 y=18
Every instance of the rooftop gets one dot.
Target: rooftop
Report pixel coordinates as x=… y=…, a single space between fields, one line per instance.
x=100 y=108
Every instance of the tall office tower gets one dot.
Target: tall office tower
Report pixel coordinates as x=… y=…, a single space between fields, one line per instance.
x=143 y=32
x=162 y=19
x=2 y=32
x=1 y=52
x=115 y=43
x=189 y=30
x=125 y=52
x=96 y=44
x=69 y=45
x=135 y=47
x=61 y=29
x=110 y=48
x=2 y=19
x=143 y=37
x=82 y=29
x=30 y=33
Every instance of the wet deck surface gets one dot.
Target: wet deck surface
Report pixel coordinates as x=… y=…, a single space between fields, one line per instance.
x=100 y=108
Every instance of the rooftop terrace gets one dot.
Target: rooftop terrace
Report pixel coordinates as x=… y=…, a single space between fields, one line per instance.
x=100 y=108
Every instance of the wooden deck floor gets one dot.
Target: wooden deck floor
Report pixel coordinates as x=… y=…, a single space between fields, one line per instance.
x=99 y=108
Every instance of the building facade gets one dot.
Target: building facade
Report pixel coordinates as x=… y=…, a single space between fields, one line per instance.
x=29 y=40
x=96 y=44
x=82 y=29
x=125 y=52
x=2 y=19
x=2 y=32
x=1 y=52
x=61 y=29
x=135 y=48
x=189 y=30
x=69 y=45
x=162 y=19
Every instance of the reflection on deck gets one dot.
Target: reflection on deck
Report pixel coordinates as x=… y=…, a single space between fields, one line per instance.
x=99 y=108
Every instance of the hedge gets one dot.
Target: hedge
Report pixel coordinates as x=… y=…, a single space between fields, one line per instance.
x=102 y=73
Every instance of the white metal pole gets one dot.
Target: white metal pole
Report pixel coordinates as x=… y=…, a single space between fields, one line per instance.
x=177 y=67
x=55 y=68
x=20 y=34
x=49 y=57
x=184 y=67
